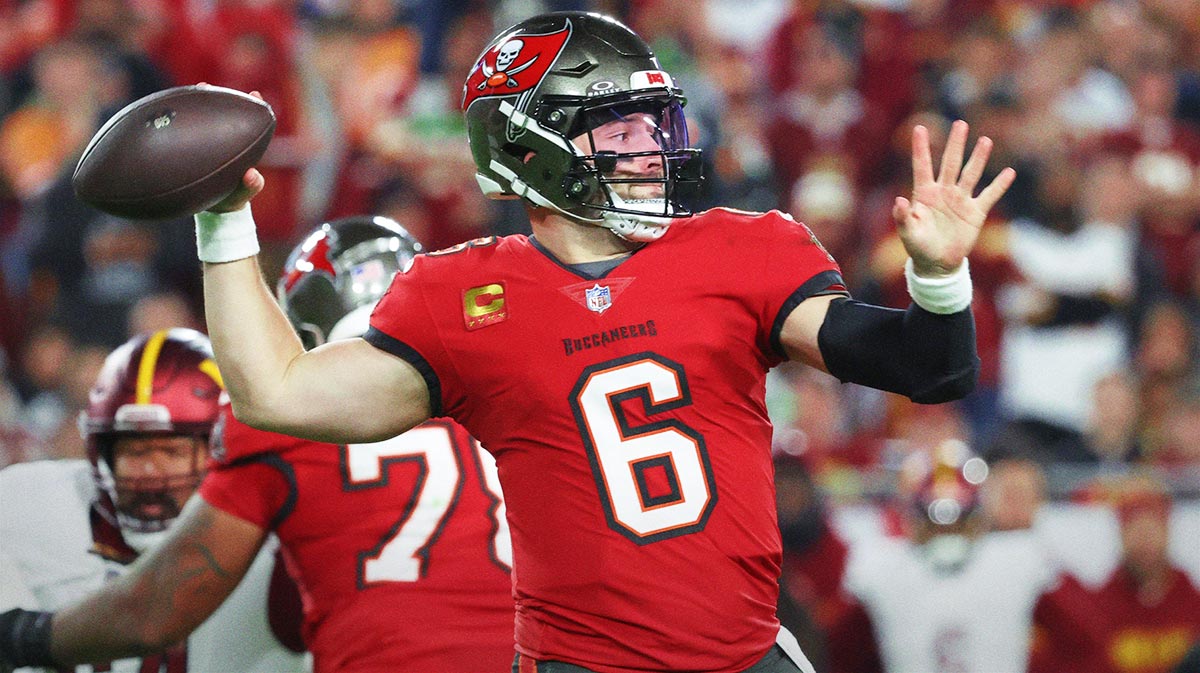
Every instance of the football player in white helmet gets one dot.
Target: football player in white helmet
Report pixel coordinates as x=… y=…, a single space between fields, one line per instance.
x=949 y=596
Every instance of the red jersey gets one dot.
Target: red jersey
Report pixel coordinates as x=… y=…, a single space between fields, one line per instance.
x=627 y=417
x=1149 y=638
x=1125 y=633
x=400 y=547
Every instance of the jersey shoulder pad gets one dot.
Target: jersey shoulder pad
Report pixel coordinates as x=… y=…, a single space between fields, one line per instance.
x=468 y=254
x=745 y=217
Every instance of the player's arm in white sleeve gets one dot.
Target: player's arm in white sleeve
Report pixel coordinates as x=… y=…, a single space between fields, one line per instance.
x=926 y=352
x=273 y=383
x=165 y=595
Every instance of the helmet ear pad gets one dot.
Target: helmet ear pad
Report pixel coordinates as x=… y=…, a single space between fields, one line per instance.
x=542 y=169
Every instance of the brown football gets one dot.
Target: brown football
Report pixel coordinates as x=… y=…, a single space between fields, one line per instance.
x=173 y=153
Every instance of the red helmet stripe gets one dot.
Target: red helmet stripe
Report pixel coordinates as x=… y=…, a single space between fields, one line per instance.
x=146 y=367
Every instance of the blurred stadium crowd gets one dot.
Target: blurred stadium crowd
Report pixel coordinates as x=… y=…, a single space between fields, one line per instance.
x=1087 y=278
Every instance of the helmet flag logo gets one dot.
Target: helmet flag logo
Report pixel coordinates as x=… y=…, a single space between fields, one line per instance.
x=314 y=256
x=514 y=66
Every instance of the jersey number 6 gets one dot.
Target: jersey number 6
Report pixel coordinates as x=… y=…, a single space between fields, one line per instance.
x=654 y=479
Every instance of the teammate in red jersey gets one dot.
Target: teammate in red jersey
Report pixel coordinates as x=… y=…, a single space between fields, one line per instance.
x=614 y=362
x=400 y=547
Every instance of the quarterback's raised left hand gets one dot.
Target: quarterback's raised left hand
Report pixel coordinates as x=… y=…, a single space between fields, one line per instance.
x=940 y=224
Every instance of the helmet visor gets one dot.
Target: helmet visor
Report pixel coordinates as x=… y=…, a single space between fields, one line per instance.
x=638 y=152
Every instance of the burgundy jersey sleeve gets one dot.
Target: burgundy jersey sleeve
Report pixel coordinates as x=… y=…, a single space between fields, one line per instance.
x=246 y=477
x=400 y=548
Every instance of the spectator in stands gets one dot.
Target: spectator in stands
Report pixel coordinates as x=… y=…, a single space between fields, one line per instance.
x=118 y=270
x=1178 y=445
x=1163 y=153
x=1072 y=87
x=1165 y=358
x=56 y=120
x=820 y=116
x=833 y=428
x=41 y=378
x=1113 y=436
x=161 y=310
x=1064 y=315
x=1143 y=618
x=121 y=29
x=742 y=176
x=17 y=443
x=981 y=69
x=1013 y=493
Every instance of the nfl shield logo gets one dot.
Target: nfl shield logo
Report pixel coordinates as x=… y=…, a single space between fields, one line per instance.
x=599 y=299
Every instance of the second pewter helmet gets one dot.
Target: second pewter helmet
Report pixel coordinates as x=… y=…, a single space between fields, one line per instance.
x=556 y=76
x=333 y=278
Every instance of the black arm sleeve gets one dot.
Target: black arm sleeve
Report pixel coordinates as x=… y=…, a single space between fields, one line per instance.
x=25 y=639
x=927 y=357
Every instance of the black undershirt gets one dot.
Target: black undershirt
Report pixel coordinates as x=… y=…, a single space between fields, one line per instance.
x=588 y=270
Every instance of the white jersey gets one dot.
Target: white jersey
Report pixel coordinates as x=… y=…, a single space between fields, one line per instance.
x=977 y=620
x=45 y=543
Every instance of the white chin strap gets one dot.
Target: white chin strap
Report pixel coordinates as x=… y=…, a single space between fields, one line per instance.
x=631 y=227
x=638 y=228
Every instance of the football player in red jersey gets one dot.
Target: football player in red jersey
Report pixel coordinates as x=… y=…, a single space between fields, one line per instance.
x=400 y=547
x=614 y=362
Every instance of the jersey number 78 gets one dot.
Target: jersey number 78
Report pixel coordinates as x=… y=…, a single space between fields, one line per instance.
x=402 y=553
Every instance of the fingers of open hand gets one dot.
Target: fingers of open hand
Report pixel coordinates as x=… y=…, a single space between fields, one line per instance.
x=922 y=162
x=900 y=210
x=992 y=193
x=973 y=171
x=952 y=155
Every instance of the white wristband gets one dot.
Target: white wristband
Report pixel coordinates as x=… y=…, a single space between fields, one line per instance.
x=225 y=237
x=949 y=294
